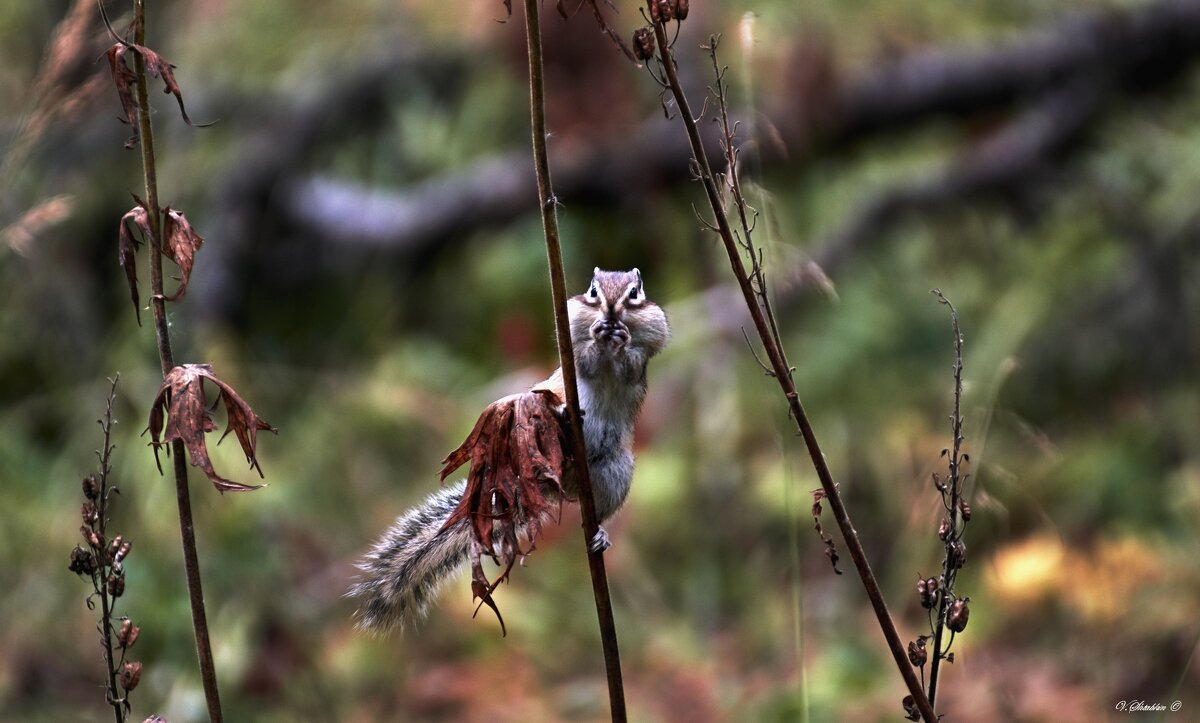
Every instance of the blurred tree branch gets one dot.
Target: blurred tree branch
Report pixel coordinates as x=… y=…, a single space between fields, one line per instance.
x=1005 y=163
x=1129 y=53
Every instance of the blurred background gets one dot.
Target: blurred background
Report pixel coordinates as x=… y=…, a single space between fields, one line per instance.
x=374 y=274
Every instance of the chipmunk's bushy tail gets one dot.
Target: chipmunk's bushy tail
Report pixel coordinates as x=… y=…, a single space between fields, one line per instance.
x=402 y=571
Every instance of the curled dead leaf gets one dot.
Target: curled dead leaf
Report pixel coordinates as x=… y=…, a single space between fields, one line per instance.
x=180 y=244
x=127 y=246
x=181 y=400
x=518 y=452
x=157 y=66
x=125 y=78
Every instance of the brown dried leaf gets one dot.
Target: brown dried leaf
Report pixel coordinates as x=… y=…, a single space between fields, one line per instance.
x=181 y=401
x=124 y=78
x=518 y=453
x=127 y=246
x=180 y=244
x=157 y=66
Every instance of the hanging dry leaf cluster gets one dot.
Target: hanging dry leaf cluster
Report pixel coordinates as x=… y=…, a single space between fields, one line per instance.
x=179 y=244
x=125 y=78
x=180 y=411
x=518 y=452
x=182 y=402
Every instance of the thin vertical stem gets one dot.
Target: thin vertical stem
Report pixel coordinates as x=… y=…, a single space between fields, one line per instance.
x=548 y=203
x=99 y=579
x=166 y=358
x=949 y=566
x=106 y=635
x=783 y=376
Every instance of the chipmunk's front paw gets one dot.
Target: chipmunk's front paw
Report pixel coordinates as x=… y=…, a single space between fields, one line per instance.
x=600 y=541
x=611 y=334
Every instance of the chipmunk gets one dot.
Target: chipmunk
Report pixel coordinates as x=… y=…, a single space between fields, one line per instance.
x=615 y=330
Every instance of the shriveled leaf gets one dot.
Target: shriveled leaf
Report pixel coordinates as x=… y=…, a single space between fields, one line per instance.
x=482 y=588
x=243 y=422
x=182 y=402
x=124 y=78
x=180 y=244
x=127 y=246
x=518 y=452
x=157 y=66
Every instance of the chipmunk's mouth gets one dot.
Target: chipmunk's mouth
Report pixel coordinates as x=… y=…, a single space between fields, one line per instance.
x=610 y=331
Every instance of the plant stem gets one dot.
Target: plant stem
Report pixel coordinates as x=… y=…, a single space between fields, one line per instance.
x=783 y=376
x=106 y=636
x=167 y=359
x=587 y=504
x=949 y=573
x=102 y=588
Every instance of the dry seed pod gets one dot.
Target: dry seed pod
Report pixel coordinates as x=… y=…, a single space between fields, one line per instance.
x=92 y=538
x=917 y=654
x=643 y=43
x=956 y=619
x=82 y=561
x=965 y=510
x=116 y=585
x=661 y=11
x=927 y=590
x=131 y=675
x=958 y=555
x=128 y=634
x=944 y=529
x=91 y=488
x=910 y=708
x=681 y=9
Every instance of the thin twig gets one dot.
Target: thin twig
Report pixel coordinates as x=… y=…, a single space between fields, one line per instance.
x=783 y=376
x=546 y=198
x=167 y=360
x=119 y=704
x=951 y=499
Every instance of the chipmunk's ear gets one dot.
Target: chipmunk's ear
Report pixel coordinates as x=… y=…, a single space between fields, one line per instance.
x=595 y=271
x=635 y=294
x=592 y=296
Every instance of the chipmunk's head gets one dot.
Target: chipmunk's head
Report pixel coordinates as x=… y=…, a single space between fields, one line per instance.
x=615 y=311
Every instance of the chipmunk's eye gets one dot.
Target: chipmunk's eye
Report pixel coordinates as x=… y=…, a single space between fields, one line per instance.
x=593 y=294
x=635 y=293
